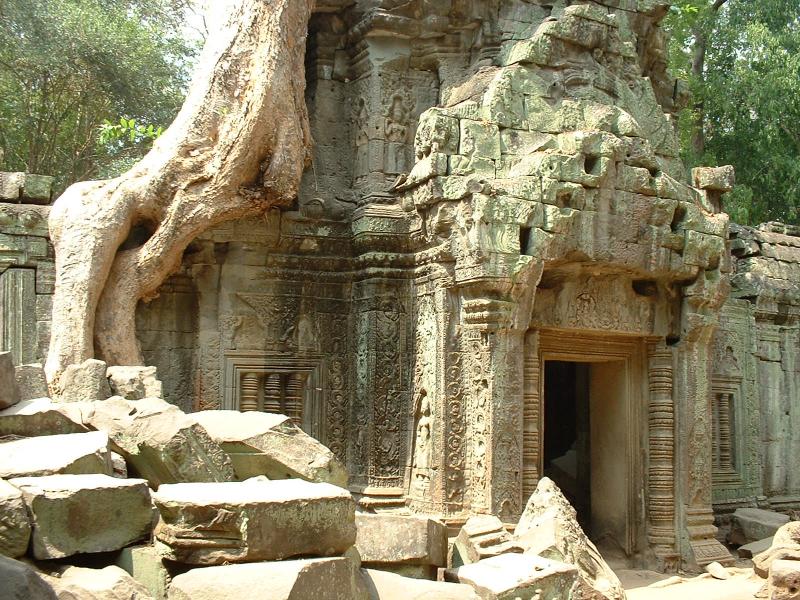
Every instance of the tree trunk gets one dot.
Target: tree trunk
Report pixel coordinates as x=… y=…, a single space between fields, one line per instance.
x=237 y=147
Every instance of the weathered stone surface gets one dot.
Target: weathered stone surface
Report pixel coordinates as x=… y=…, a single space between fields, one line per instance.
x=482 y=536
x=212 y=523
x=134 y=383
x=720 y=179
x=75 y=453
x=31 y=381
x=9 y=393
x=785 y=546
x=310 y=579
x=784 y=580
x=109 y=583
x=270 y=444
x=385 y=539
x=512 y=576
x=40 y=416
x=146 y=566
x=84 y=382
x=75 y=514
x=383 y=585
x=19 y=581
x=15 y=526
x=753 y=524
x=159 y=441
x=119 y=467
x=754 y=548
x=549 y=528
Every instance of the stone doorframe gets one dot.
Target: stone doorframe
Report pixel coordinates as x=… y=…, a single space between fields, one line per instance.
x=589 y=347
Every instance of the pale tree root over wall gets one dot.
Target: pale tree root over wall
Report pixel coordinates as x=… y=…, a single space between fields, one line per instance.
x=237 y=147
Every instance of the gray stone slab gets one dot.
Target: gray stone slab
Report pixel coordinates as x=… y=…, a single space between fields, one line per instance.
x=74 y=453
x=9 y=392
x=213 y=523
x=15 y=526
x=74 y=514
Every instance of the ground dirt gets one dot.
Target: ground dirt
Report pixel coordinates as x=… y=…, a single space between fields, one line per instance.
x=649 y=585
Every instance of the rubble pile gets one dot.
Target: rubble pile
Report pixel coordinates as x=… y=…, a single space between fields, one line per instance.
x=126 y=497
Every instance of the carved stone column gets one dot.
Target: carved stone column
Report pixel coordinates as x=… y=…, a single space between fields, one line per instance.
x=531 y=411
x=694 y=358
x=661 y=467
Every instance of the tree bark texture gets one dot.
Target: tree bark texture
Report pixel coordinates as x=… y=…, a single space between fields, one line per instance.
x=237 y=147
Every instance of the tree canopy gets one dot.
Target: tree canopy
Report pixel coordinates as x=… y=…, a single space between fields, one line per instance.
x=70 y=70
x=742 y=59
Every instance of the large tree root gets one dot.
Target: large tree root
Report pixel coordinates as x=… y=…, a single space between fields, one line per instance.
x=237 y=147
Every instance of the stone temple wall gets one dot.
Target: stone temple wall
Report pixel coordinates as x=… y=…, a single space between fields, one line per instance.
x=27 y=272
x=495 y=184
x=755 y=399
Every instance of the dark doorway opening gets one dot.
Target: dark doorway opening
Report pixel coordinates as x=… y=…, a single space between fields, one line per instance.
x=567 y=429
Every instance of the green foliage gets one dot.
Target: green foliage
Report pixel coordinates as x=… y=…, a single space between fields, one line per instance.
x=748 y=95
x=69 y=68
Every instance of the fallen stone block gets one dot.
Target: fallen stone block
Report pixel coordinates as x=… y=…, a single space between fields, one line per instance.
x=19 y=581
x=31 y=382
x=270 y=444
x=213 y=523
x=383 y=585
x=512 y=576
x=753 y=524
x=73 y=453
x=85 y=382
x=15 y=527
x=109 y=583
x=549 y=528
x=784 y=580
x=9 y=393
x=74 y=514
x=785 y=546
x=317 y=578
x=40 y=416
x=753 y=548
x=146 y=566
x=482 y=536
x=159 y=442
x=134 y=383
x=385 y=540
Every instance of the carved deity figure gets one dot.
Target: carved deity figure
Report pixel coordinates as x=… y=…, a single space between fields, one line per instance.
x=395 y=131
x=422 y=443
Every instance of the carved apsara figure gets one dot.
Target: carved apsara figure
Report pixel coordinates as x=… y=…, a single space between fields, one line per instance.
x=422 y=442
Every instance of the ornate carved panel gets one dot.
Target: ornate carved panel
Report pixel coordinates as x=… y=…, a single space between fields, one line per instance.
x=277 y=384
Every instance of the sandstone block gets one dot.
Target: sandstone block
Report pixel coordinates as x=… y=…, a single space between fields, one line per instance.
x=159 y=441
x=512 y=576
x=482 y=536
x=84 y=382
x=269 y=444
x=784 y=580
x=753 y=524
x=383 y=585
x=19 y=581
x=75 y=514
x=110 y=583
x=9 y=393
x=754 y=548
x=549 y=528
x=134 y=383
x=720 y=179
x=31 y=382
x=317 y=578
x=40 y=416
x=212 y=523
x=146 y=566
x=785 y=546
x=385 y=539
x=15 y=527
x=74 y=453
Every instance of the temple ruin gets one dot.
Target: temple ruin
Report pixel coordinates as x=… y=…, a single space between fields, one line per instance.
x=497 y=269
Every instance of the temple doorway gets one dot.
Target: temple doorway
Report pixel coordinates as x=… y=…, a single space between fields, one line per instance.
x=584 y=447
